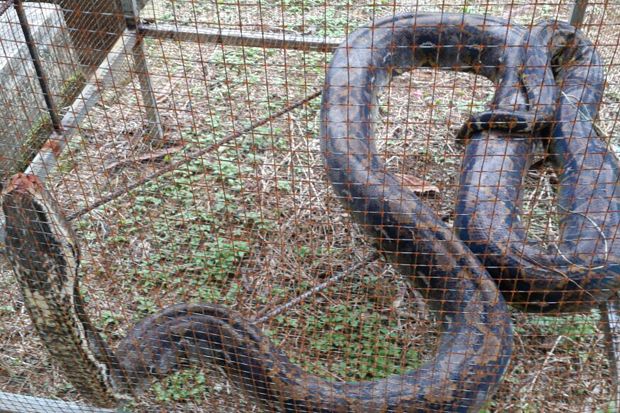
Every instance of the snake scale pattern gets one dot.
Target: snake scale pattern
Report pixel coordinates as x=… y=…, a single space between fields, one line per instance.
x=476 y=341
x=584 y=268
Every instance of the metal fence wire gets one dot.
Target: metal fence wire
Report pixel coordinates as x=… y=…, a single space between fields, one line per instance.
x=210 y=206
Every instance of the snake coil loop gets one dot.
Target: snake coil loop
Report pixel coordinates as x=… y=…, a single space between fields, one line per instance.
x=583 y=270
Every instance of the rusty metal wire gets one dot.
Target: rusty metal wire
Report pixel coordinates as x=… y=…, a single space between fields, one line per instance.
x=186 y=157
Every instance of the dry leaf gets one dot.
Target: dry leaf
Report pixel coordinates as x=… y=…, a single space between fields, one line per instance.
x=417 y=185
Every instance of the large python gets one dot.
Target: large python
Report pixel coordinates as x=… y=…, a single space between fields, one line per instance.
x=44 y=254
x=476 y=343
x=583 y=269
x=401 y=225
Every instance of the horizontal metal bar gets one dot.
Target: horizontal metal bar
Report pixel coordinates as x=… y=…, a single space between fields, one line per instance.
x=17 y=403
x=238 y=37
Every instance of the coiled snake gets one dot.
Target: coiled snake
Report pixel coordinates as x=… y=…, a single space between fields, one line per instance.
x=584 y=268
x=476 y=343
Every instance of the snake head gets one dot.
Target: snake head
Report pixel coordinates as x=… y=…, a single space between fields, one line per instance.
x=38 y=236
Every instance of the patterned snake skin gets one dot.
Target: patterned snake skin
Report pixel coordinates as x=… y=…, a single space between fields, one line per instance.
x=476 y=342
x=44 y=253
x=583 y=269
x=407 y=231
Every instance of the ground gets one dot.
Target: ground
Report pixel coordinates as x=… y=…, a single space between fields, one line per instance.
x=255 y=223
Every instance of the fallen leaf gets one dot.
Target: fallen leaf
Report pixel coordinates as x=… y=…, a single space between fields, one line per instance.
x=149 y=157
x=417 y=185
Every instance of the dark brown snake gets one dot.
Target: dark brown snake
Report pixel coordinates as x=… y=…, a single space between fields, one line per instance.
x=583 y=269
x=44 y=253
x=476 y=342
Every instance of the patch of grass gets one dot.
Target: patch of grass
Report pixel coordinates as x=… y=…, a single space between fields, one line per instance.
x=610 y=409
x=334 y=22
x=7 y=310
x=146 y=306
x=366 y=342
x=575 y=327
x=186 y=385
x=470 y=7
x=196 y=247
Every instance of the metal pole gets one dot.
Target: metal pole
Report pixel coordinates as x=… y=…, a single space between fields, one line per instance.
x=610 y=319
x=146 y=88
x=131 y=13
x=132 y=19
x=34 y=55
x=5 y=6
x=239 y=38
x=578 y=13
x=610 y=311
x=46 y=160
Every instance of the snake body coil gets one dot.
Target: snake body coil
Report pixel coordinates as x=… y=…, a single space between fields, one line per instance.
x=476 y=343
x=584 y=268
x=407 y=231
x=473 y=350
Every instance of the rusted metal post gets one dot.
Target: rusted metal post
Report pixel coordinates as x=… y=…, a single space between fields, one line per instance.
x=5 y=6
x=578 y=13
x=610 y=319
x=46 y=160
x=610 y=311
x=132 y=18
x=38 y=67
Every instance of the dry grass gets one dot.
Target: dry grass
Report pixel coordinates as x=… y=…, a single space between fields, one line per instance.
x=255 y=223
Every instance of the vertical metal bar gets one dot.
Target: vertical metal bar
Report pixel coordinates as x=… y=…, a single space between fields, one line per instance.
x=131 y=13
x=146 y=88
x=132 y=19
x=579 y=10
x=610 y=311
x=38 y=67
x=610 y=319
x=47 y=159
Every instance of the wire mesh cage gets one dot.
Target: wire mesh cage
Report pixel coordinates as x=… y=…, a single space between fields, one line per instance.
x=249 y=227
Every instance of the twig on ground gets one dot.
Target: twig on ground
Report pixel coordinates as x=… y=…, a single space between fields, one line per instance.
x=173 y=166
x=314 y=290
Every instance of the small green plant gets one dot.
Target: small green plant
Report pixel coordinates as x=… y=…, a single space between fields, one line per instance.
x=108 y=318
x=146 y=306
x=368 y=343
x=7 y=309
x=574 y=327
x=187 y=385
x=611 y=408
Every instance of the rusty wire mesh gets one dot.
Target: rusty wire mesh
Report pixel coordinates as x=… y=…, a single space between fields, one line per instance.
x=252 y=223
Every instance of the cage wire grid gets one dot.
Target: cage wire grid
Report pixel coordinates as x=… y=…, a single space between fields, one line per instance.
x=181 y=139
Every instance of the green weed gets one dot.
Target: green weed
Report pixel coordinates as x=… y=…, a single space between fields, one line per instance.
x=367 y=341
x=187 y=385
